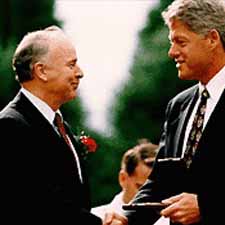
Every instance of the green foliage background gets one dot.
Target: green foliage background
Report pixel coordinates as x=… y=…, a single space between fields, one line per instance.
x=139 y=106
x=138 y=109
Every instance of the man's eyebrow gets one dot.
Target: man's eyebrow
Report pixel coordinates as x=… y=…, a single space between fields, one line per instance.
x=73 y=61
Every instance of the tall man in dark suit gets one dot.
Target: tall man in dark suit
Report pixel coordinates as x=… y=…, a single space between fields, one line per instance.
x=191 y=192
x=43 y=176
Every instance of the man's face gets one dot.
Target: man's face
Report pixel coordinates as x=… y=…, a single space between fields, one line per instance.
x=190 y=51
x=136 y=180
x=62 y=71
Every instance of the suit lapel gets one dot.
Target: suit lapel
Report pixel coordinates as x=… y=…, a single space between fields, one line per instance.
x=215 y=124
x=72 y=138
x=32 y=114
x=215 y=120
x=184 y=115
x=35 y=118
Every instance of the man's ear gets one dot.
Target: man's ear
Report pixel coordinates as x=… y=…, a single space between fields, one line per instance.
x=214 y=38
x=39 y=71
x=123 y=176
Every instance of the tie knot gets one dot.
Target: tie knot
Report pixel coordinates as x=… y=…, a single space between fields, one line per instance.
x=205 y=93
x=57 y=120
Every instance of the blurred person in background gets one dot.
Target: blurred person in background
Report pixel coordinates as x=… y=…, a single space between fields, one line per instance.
x=136 y=166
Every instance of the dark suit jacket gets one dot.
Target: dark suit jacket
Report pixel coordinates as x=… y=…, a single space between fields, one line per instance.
x=204 y=176
x=40 y=182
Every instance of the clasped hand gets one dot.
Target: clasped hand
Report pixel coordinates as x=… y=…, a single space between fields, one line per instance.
x=112 y=218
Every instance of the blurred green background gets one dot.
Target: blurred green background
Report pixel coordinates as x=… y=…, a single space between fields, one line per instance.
x=139 y=106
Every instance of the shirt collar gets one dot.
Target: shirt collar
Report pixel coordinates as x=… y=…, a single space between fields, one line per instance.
x=216 y=85
x=42 y=106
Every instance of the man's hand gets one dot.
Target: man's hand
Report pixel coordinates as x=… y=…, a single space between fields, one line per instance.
x=183 y=208
x=112 y=218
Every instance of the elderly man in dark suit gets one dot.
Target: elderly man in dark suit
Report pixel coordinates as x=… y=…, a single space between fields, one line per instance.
x=43 y=179
x=188 y=174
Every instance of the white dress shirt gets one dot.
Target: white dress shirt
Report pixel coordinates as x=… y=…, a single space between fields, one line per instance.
x=215 y=88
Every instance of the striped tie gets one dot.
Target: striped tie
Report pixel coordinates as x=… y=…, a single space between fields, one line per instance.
x=58 y=122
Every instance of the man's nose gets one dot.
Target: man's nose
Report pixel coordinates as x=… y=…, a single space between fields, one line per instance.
x=79 y=73
x=173 y=52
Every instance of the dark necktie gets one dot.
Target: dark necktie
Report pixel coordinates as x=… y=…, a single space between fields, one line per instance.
x=196 y=130
x=58 y=122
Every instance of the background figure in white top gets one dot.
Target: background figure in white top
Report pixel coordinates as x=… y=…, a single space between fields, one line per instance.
x=136 y=166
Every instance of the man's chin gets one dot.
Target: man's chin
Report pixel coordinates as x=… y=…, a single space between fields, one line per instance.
x=181 y=76
x=72 y=97
x=184 y=76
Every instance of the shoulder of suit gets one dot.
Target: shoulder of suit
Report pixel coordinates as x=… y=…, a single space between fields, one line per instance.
x=176 y=104
x=185 y=94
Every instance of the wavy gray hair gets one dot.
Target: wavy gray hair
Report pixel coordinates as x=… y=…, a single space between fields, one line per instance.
x=200 y=15
x=33 y=47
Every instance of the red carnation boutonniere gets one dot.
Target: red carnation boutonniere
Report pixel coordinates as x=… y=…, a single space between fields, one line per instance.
x=89 y=144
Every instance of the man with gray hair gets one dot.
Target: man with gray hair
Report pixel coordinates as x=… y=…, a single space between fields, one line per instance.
x=187 y=177
x=44 y=180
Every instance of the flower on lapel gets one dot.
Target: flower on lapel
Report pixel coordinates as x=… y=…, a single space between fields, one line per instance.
x=89 y=144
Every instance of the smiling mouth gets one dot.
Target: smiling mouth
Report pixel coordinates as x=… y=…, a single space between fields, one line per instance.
x=178 y=64
x=75 y=85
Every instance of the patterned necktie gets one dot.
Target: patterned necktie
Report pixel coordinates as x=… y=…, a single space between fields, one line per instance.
x=196 y=130
x=58 y=122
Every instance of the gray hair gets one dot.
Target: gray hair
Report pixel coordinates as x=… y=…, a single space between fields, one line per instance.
x=200 y=15
x=33 y=47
